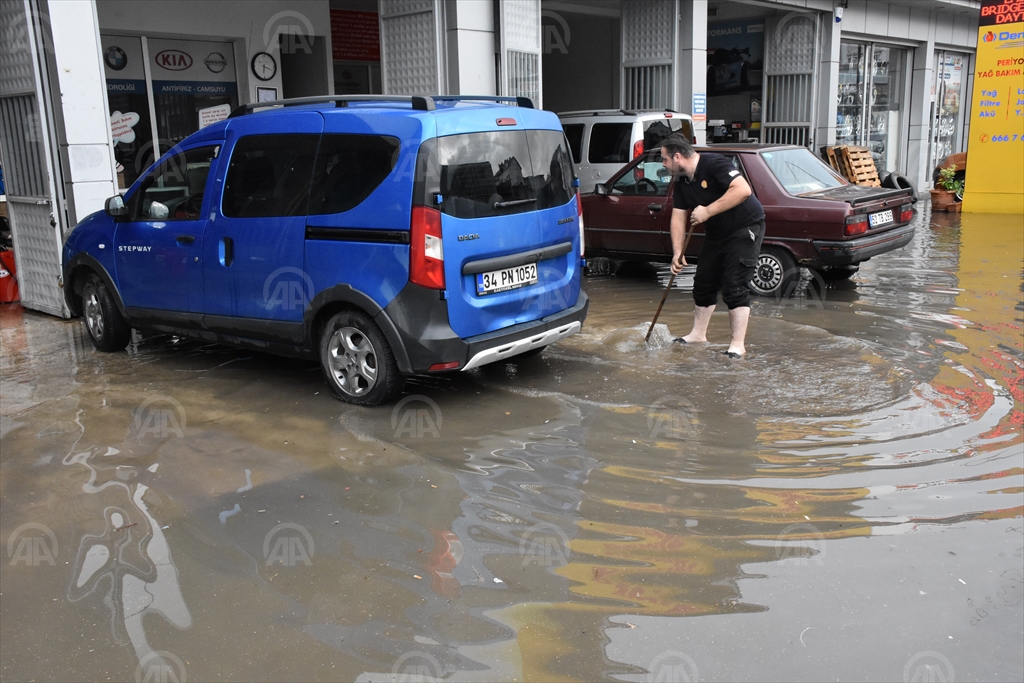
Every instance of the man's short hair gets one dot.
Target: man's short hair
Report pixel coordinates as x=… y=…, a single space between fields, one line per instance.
x=678 y=143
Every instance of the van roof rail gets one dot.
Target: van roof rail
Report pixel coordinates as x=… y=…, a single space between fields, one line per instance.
x=524 y=102
x=419 y=102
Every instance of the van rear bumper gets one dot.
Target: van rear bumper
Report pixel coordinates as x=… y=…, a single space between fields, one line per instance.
x=418 y=321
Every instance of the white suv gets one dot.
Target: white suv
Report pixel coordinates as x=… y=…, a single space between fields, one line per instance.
x=603 y=141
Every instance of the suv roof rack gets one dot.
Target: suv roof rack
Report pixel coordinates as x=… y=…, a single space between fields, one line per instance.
x=419 y=102
x=524 y=102
x=597 y=112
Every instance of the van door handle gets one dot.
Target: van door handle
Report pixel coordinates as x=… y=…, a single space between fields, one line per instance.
x=226 y=251
x=654 y=207
x=185 y=239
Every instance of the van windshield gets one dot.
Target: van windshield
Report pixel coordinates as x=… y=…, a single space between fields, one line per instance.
x=504 y=172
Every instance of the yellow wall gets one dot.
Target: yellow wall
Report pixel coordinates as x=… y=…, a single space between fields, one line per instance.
x=995 y=150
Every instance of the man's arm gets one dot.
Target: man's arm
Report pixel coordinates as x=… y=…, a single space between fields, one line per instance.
x=679 y=226
x=735 y=195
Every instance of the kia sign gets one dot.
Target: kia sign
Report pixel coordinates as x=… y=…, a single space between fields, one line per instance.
x=173 y=60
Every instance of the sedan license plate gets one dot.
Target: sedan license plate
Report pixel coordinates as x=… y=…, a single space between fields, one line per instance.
x=506 y=279
x=880 y=218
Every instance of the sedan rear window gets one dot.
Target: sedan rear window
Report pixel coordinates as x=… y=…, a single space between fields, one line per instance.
x=800 y=172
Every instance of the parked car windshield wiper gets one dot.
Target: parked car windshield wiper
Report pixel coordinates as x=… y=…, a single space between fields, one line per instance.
x=515 y=202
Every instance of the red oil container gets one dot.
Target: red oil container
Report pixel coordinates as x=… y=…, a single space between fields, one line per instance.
x=8 y=278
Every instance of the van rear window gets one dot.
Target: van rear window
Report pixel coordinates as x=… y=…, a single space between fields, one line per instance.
x=503 y=172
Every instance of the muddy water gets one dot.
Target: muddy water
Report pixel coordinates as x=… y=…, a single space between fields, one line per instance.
x=845 y=503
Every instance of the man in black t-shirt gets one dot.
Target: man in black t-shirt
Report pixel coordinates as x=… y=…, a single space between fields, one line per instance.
x=720 y=201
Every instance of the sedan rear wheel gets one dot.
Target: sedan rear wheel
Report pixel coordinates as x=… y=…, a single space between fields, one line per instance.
x=776 y=273
x=357 y=361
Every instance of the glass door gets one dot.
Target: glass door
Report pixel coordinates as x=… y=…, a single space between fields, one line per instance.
x=949 y=83
x=872 y=85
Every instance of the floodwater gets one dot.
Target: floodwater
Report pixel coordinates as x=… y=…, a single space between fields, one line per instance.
x=846 y=503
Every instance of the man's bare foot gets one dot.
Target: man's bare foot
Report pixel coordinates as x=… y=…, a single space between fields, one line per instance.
x=690 y=339
x=736 y=351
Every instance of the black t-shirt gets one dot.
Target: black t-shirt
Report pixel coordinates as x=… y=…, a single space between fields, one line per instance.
x=711 y=179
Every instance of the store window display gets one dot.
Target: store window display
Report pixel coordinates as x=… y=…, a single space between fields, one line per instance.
x=872 y=81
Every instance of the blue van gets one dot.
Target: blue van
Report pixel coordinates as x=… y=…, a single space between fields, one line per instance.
x=384 y=236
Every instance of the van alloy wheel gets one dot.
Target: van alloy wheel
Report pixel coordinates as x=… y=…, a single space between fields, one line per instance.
x=353 y=361
x=107 y=328
x=357 y=361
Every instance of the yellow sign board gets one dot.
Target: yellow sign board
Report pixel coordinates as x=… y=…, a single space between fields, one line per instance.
x=995 y=148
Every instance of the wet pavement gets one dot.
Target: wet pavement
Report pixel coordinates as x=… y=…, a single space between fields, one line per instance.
x=846 y=503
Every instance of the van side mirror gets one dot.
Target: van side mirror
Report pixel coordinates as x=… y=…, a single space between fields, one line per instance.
x=600 y=189
x=115 y=206
x=158 y=211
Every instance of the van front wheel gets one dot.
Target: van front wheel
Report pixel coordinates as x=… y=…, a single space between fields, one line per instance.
x=107 y=328
x=357 y=361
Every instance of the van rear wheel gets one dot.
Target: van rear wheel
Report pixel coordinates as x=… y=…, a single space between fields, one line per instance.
x=357 y=362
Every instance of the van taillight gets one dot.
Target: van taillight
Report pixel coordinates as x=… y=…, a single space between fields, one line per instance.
x=906 y=213
x=638 y=148
x=579 y=217
x=426 y=251
x=855 y=225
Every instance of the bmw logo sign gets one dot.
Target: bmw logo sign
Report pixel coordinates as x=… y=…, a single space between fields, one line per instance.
x=115 y=58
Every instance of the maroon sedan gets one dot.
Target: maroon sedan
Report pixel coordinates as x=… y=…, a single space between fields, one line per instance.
x=814 y=217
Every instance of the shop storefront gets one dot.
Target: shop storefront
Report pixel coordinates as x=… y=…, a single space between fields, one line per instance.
x=160 y=91
x=871 y=99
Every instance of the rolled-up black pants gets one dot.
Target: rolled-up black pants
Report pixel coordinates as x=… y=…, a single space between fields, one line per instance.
x=726 y=264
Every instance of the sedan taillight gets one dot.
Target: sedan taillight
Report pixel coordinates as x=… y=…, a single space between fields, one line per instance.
x=856 y=225
x=906 y=213
x=426 y=251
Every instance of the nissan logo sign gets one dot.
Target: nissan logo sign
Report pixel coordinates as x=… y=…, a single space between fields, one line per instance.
x=215 y=62
x=174 y=60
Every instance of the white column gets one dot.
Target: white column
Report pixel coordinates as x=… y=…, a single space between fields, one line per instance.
x=87 y=147
x=921 y=101
x=469 y=37
x=828 y=83
x=692 y=64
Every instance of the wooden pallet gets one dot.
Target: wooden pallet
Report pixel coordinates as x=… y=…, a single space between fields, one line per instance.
x=860 y=167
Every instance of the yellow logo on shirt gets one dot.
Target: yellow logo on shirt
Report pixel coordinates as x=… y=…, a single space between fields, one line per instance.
x=704 y=184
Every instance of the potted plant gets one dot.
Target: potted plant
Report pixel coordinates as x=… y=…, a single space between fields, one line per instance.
x=948 y=191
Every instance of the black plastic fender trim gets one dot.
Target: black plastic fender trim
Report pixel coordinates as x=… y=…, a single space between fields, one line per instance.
x=348 y=295
x=70 y=298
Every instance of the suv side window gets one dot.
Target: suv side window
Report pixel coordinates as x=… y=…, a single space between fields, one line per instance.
x=349 y=168
x=174 y=190
x=574 y=134
x=609 y=143
x=269 y=175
